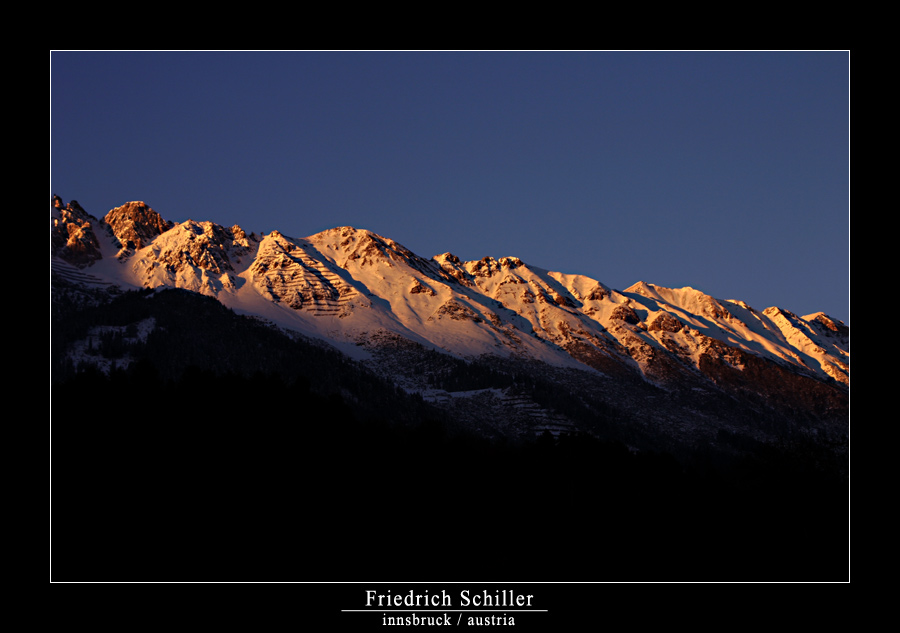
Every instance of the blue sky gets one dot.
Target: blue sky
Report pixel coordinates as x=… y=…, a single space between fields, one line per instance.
x=724 y=171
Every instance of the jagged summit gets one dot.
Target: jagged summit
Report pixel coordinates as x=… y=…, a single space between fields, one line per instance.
x=135 y=225
x=73 y=237
x=642 y=288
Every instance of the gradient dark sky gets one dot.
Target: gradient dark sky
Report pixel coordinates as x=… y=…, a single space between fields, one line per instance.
x=724 y=171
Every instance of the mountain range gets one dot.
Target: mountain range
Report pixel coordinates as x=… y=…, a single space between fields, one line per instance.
x=499 y=349
x=362 y=292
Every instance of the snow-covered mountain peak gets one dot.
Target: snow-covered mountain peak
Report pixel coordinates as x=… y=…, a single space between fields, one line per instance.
x=363 y=248
x=834 y=326
x=448 y=258
x=645 y=290
x=686 y=298
x=488 y=266
x=203 y=257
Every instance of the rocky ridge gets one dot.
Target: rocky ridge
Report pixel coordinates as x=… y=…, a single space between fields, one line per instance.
x=349 y=286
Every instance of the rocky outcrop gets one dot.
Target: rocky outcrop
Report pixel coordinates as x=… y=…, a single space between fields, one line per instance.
x=419 y=288
x=135 y=225
x=625 y=313
x=598 y=293
x=72 y=236
x=455 y=311
x=454 y=269
x=665 y=322
x=484 y=267
x=828 y=326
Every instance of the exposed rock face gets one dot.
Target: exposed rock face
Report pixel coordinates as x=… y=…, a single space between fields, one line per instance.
x=666 y=323
x=510 y=262
x=135 y=225
x=562 y=300
x=452 y=267
x=455 y=311
x=627 y=314
x=419 y=288
x=72 y=235
x=597 y=294
x=484 y=267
